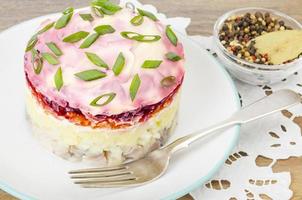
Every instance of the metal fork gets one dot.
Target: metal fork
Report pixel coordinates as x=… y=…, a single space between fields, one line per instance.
x=156 y=163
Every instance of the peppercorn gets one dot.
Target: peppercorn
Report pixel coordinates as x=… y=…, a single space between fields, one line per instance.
x=281 y=23
x=225 y=27
x=258 y=15
x=252 y=50
x=247 y=15
x=252 y=28
x=237 y=34
x=268 y=20
x=263 y=59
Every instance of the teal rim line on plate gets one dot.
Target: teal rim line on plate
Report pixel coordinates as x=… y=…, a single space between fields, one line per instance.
x=180 y=193
x=15 y=193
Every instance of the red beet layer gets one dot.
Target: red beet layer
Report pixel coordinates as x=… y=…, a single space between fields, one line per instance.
x=121 y=120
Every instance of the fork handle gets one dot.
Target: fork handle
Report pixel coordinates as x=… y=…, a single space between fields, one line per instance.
x=277 y=101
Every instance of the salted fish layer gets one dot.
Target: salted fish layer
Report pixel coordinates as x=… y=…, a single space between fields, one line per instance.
x=76 y=143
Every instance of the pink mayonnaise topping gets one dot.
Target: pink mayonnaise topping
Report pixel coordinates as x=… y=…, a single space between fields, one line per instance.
x=78 y=93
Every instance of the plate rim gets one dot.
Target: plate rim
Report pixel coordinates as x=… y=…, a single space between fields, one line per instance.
x=197 y=183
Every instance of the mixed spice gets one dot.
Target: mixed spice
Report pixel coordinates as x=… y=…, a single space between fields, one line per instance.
x=237 y=34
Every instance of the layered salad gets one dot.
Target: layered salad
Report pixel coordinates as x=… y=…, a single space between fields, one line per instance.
x=103 y=83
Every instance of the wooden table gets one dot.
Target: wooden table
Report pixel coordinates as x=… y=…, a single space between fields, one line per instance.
x=203 y=14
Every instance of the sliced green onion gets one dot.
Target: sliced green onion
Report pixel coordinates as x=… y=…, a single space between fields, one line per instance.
x=129 y=35
x=139 y=37
x=148 y=38
x=106 y=5
x=75 y=37
x=168 y=81
x=100 y=11
x=109 y=96
x=95 y=59
x=110 y=6
x=97 y=11
x=86 y=17
x=137 y=20
x=34 y=39
x=34 y=54
x=68 y=11
x=54 y=48
x=135 y=83
x=119 y=64
x=89 y=40
x=173 y=56
x=171 y=35
x=50 y=58
x=37 y=61
x=31 y=43
x=104 y=29
x=59 y=79
x=38 y=65
x=147 y=14
x=64 y=19
x=151 y=64
x=90 y=75
x=106 y=12
x=46 y=28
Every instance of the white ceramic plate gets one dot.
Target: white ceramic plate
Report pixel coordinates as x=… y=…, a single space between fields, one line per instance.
x=27 y=171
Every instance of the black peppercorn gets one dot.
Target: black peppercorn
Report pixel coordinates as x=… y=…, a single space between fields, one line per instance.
x=252 y=50
x=237 y=34
x=266 y=15
x=268 y=20
x=252 y=28
x=281 y=23
x=247 y=15
x=225 y=27
x=258 y=15
x=245 y=24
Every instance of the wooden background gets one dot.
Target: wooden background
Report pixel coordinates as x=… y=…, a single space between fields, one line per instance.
x=203 y=14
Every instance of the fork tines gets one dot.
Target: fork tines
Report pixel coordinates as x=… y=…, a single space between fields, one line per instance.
x=104 y=177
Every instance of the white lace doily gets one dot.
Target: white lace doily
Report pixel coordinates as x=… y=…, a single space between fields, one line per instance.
x=275 y=137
